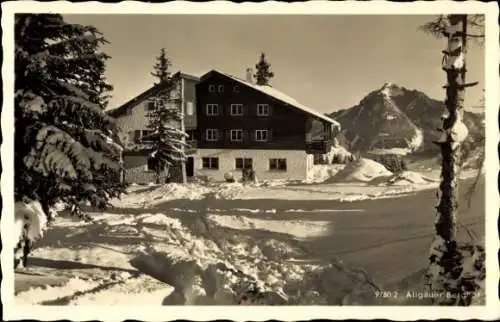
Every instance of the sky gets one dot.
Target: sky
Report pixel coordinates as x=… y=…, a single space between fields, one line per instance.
x=327 y=62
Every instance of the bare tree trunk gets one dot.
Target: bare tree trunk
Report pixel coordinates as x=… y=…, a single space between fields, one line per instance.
x=444 y=252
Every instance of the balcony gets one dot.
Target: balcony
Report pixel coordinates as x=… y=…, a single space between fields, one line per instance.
x=318 y=146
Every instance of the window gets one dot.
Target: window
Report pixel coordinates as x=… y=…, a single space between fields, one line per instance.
x=261 y=135
x=146 y=135
x=150 y=105
x=220 y=88
x=262 y=109
x=236 y=109
x=191 y=135
x=189 y=108
x=277 y=164
x=210 y=163
x=236 y=88
x=236 y=135
x=243 y=163
x=212 y=109
x=211 y=88
x=212 y=135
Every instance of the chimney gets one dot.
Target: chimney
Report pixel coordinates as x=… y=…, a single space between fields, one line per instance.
x=249 y=76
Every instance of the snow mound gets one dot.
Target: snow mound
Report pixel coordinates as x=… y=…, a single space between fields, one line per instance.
x=322 y=172
x=409 y=178
x=159 y=194
x=364 y=170
x=229 y=190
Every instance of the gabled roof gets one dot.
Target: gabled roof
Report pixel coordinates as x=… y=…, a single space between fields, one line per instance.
x=272 y=92
x=118 y=111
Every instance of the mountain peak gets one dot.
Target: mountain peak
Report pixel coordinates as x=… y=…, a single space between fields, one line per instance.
x=389 y=89
x=386 y=89
x=394 y=117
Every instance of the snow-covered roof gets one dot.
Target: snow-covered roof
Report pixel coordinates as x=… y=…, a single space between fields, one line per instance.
x=270 y=91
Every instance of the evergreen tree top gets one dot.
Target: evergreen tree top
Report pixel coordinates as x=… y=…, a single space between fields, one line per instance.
x=263 y=71
x=161 y=68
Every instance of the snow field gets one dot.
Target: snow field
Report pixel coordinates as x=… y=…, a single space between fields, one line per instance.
x=171 y=251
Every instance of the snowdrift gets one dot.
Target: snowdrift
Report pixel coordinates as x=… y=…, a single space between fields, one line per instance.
x=150 y=196
x=410 y=178
x=322 y=172
x=365 y=170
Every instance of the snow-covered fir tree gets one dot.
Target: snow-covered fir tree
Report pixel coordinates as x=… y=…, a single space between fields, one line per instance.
x=167 y=140
x=263 y=72
x=65 y=148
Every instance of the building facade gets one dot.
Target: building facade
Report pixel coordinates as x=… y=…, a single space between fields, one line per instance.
x=244 y=125
x=133 y=120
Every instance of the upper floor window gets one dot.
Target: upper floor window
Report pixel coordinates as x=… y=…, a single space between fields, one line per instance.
x=212 y=109
x=236 y=109
x=243 y=163
x=236 y=88
x=261 y=135
x=236 y=135
x=191 y=135
x=189 y=108
x=150 y=105
x=146 y=135
x=212 y=135
x=277 y=164
x=262 y=109
x=220 y=88
x=211 y=88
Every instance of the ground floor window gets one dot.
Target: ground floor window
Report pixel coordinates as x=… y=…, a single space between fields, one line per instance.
x=243 y=163
x=277 y=164
x=210 y=163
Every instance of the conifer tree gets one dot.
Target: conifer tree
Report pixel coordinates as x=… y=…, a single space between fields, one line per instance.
x=263 y=71
x=167 y=140
x=64 y=142
x=161 y=67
